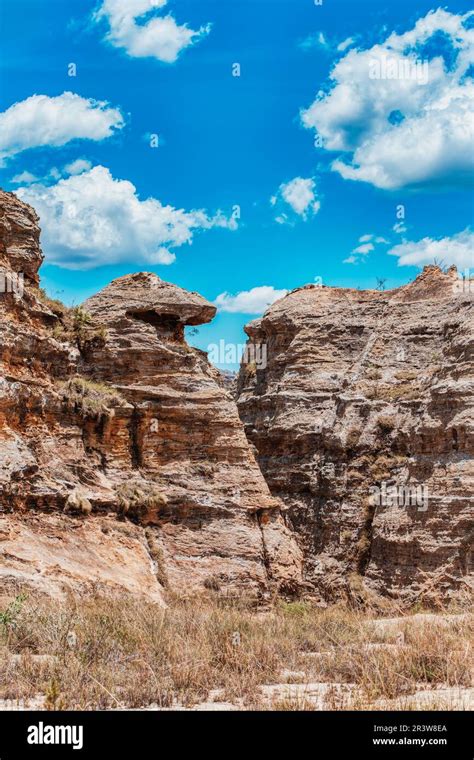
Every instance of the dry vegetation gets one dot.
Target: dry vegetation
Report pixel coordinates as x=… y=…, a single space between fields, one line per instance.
x=403 y=391
x=56 y=306
x=109 y=652
x=89 y=398
x=135 y=498
x=75 y=325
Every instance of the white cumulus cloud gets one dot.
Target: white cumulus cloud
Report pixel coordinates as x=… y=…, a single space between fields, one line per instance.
x=41 y=120
x=254 y=301
x=138 y=27
x=300 y=194
x=457 y=249
x=345 y=44
x=400 y=123
x=78 y=166
x=24 y=178
x=368 y=244
x=91 y=219
x=351 y=260
x=364 y=249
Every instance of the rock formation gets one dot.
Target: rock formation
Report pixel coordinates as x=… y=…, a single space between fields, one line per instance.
x=123 y=461
x=363 y=418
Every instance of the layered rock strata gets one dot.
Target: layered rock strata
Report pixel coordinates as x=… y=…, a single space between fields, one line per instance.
x=363 y=418
x=123 y=462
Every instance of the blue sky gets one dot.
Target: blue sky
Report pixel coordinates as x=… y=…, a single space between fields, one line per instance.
x=238 y=141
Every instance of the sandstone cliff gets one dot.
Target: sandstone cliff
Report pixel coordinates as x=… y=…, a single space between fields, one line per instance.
x=123 y=462
x=363 y=421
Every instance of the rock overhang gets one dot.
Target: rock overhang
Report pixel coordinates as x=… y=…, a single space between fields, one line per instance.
x=144 y=293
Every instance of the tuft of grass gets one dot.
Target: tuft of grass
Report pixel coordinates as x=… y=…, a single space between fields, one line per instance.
x=386 y=423
x=89 y=398
x=78 y=502
x=353 y=437
x=373 y=373
x=136 y=498
x=381 y=468
x=9 y=615
x=402 y=392
x=53 y=699
x=406 y=375
x=53 y=304
x=286 y=704
x=76 y=326
x=250 y=368
x=212 y=583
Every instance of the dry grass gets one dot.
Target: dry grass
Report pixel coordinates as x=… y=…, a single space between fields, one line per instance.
x=53 y=304
x=250 y=369
x=353 y=437
x=386 y=423
x=373 y=373
x=110 y=652
x=383 y=467
x=89 y=398
x=407 y=375
x=135 y=498
x=403 y=391
x=76 y=325
x=430 y=656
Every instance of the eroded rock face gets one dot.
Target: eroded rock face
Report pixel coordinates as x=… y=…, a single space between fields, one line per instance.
x=124 y=464
x=123 y=461
x=218 y=523
x=363 y=418
x=19 y=237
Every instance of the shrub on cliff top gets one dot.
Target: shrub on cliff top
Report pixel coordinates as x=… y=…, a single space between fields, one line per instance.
x=84 y=332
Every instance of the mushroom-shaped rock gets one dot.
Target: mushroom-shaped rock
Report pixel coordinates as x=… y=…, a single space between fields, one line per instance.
x=145 y=296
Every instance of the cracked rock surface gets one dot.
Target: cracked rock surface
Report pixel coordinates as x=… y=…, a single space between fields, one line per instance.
x=123 y=461
x=363 y=418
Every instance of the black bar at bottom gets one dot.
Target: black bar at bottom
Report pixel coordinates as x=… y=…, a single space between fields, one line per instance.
x=143 y=734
